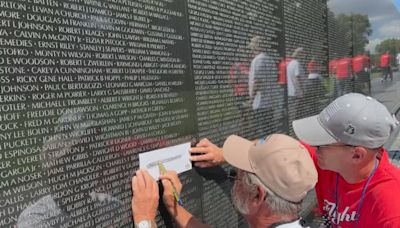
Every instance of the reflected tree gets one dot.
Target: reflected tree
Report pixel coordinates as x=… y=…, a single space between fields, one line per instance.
x=356 y=28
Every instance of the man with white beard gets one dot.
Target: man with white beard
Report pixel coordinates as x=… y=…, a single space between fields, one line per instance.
x=273 y=177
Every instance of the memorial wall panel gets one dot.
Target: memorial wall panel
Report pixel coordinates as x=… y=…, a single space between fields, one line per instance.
x=86 y=85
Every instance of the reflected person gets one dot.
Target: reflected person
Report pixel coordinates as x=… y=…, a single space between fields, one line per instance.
x=386 y=67
x=313 y=86
x=360 y=66
x=239 y=78
x=262 y=73
x=343 y=82
x=295 y=80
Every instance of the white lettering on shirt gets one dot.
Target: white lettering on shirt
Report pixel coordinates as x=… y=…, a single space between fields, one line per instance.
x=336 y=218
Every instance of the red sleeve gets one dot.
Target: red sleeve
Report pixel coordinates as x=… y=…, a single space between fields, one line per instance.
x=395 y=222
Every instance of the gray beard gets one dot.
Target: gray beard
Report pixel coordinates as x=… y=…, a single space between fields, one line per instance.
x=239 y=201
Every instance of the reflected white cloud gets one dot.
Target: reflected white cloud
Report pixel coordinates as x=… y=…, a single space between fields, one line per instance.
x=372 y=45
x=392 y=29
x=378 y=18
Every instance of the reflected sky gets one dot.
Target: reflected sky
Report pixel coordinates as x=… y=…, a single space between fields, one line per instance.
x=397 y=4
x=383 y=16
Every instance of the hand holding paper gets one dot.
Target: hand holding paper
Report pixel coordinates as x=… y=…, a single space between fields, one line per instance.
x=145 y=196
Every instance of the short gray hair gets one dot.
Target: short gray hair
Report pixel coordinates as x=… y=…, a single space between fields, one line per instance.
x=275 y=203
x=296 y=52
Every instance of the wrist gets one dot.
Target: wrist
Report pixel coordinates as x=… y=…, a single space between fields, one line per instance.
x=139 y=217
x=221 y=153
x=145 y=224
x=174 y=210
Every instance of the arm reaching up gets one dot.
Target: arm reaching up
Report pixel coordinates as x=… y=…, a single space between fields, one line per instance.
x=210 y=155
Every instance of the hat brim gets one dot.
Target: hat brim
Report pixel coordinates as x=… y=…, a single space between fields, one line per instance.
x=310 y=131
x=236 y=152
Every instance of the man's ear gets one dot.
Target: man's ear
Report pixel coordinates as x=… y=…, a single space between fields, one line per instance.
x=260 y=197
x=257 y=201
x=359 y=155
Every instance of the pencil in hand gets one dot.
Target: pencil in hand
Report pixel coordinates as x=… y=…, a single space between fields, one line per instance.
x=176 y=195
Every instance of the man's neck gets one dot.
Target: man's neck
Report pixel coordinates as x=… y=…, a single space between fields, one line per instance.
x=356 y=174
x=267 y=221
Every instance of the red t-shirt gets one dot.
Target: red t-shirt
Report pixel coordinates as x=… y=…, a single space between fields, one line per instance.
x=238 y=75
x=332 y=66
x=359 y=63
x=385 y=60
x=381 y=205
x=313 y=67
x=282 y=79
x=343 y=68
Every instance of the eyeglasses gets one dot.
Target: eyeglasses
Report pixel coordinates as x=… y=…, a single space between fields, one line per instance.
x=326 y=146
x=233 y=175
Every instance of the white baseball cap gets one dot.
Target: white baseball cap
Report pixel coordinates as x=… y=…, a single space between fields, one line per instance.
x=352 y=119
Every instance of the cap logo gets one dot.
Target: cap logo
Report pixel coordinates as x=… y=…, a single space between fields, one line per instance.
x=350 y=129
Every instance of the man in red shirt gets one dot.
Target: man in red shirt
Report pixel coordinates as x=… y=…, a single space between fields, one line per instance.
x=385 y=65
x=239 y=79
x=360 y=65
x=343 y=76
x=313 y=87
x=282 y=66
x=357 y=185
x=332 y=67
